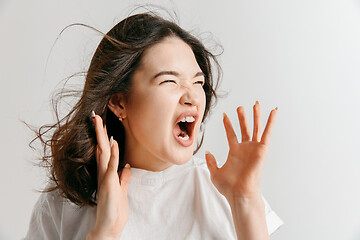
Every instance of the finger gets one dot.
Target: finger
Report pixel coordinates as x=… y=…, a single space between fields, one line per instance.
x=211 y=163
x=125 y=177
x=114 y=157
x=245 y=132
x=265 y=139
x=101 y=169
x=101 y=135
x=102 y=144
x=230 y=133
x=112 y=167
x=257 y=122
x=106 y=134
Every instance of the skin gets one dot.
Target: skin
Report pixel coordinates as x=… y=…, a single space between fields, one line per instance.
x=113 y=208
x=160 y=103
x=153 y=106
x=239 y=179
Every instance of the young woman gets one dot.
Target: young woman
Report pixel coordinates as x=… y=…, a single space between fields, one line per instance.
x=149 y=88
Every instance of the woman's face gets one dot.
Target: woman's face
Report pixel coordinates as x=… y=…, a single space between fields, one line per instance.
x=166 y=89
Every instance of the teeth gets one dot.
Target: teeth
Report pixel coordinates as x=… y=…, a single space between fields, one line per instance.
x=184 y=138
x=189 y=119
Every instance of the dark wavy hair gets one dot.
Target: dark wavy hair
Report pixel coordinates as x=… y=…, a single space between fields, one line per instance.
x=71 y=158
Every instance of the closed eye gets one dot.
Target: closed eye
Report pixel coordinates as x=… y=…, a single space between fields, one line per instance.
x=168 y=81
x=201 y=83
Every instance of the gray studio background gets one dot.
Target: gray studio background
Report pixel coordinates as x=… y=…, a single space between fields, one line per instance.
x=302 y=56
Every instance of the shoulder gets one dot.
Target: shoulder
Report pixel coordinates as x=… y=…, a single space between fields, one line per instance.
x=49 y=203
x=46 y=216
x=52 y=206
x=55 y=204
x=54 y=215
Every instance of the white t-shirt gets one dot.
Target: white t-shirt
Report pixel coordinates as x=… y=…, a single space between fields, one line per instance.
x=178 y=203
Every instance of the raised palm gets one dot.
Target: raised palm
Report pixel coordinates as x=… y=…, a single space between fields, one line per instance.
x=241 y=174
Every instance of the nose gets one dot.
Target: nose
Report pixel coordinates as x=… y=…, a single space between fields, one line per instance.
x=189 y=97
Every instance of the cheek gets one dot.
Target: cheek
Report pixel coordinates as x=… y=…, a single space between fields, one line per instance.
x=153 y=112
x=203 y=103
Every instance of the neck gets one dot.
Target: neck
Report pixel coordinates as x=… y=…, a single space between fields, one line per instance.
x=139 y=157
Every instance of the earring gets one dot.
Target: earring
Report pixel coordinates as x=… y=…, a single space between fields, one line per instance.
x=120 y=118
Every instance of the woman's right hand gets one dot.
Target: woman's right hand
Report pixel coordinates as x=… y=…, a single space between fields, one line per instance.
x=112 y=203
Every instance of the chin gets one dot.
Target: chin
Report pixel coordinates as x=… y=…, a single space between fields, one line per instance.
x=184 y=157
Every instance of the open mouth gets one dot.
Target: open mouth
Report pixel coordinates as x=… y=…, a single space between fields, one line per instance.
x=184 y=128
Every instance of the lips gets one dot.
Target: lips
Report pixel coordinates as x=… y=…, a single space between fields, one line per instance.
x=189 y=128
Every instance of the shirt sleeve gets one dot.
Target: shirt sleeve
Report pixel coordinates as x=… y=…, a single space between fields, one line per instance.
x=273 y=221
x=45 y=218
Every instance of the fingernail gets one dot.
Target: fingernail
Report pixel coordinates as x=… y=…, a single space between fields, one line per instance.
x=207 y=152
x=224 y=115
x=92 y=114
x=111 y=141
x=127 y=165
x=257 y=102
x=276 y=108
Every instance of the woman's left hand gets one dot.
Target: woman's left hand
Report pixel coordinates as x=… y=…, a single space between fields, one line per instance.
x=240 y=176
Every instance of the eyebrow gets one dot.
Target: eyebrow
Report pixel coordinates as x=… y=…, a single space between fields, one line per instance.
x=198 y=74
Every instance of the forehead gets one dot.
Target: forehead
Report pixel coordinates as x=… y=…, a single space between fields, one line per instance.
x=171 y=53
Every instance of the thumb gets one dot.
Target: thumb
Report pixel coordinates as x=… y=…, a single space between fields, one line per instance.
x=211 y=163
x=125 y=176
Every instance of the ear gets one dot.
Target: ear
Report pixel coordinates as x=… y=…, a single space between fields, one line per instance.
x=117 y=105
